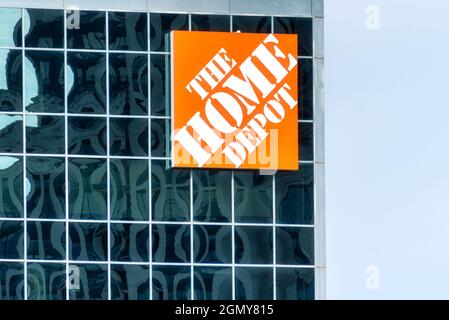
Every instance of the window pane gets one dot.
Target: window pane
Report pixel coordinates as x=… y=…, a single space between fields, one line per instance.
x=295 y=284
x=129 y=137
x=171 y=243
x=170 y=189
x=88 y=189
x=305 y=141
x=10 y=80
x=129 y=242
x=11 y=239
x=251 y=24
x=294 y=246
x=161 y=25
x=160 y=137
x=213 y=283
x=294 y=196
x=210 y=23
x=130 y=282
x=88 y=241
x=46 y=191
x=44 y=81
x=212 y=244
x=253 y=245
x=44 y=28
x=254 y=283
x=86 y=82
x=305 y=89
x=129 y=189
x=11 y=133
x=87 y=135
x=46 y=281
x=45 y=134
x=128 y=84
x=128 y=31
x=86 y=30
x=11 y=281
x=93 y=282
x=160 y=66
x=11 y=188
x=46 y=240
x=171 y=283
x=10 y=27
x=300 y=26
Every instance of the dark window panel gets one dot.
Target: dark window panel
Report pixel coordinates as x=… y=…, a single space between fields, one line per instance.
x=294 y=196
x=45 y=28
x=129 y=242
x=212 y=244
x=160 y=26
x=11 y=133
x=88 y=189
x=170 y=192
x=46 y=281
x=93 y=282
x=251 y=24
x=128 y=79
x=305 y=137
x=88 y=241
x=253 y=245
x=202 y=22
x=160 y=137
x=305 y=89
x=11 y=80
x=160 y=68
x=46 y=196
x=86 y=30
x=86 y=77
x=10 y=27
x=46 y=240
x=44 y=81
x=300 y=26
x=253 y=197
x=11 y=187
x=294 y=246
x=171 y=243
x=129 y=189
x=11 y=239
x=128 y=137
x=130 y=282
x=212 y=195
x=128 y=31
x=45 y=134
x=87 y=135
x=11 y=281
x=171 y=283
x=253 y=283
x=211 y=283
x=295 y=284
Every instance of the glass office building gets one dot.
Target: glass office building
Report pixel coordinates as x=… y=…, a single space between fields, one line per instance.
x=89 y=206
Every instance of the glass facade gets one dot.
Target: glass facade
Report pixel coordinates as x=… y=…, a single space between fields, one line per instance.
x=89 y=205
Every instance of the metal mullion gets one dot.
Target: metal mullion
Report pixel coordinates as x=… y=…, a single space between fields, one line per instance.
x=24 y=173
x=273 y=181
x=150 y=198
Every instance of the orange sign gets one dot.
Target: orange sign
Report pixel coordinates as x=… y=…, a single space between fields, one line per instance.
x=234 y=100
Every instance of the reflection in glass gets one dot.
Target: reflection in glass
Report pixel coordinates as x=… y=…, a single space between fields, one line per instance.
x=300 y=26
x=253 y=283
x=160 y=64
x=295 y=284
x=251 y=24
x=160 y=26
x=86 y=29
x=212 y=283
x=128 y=31
x=44 y=28
x=129 y=189
x=45 y=134
x=10 y=79
x=10 y=27
x=93 y=282
x=171 y=283
x=87 y=135
x=253 y=245
x=86 y=82
x=46 y=196
x=11 y=187
x=46 y=281
x=11 y=133
x=294 y=196
x=129 y=242
x=44 y=81
x=160 y=137
x=253 y=197
x=129 y=282
x=305 y=89
x=170 y=192
x=88 y=189
x=171 y=243
x=128 y=137
x=212 y=195
x=305 y=150
x=212 y=244
x=11 y=281
x=128 y=84
x=46 y=240
x=202 y=22
x=294 y=246
x=88 y=241
x=11 y=239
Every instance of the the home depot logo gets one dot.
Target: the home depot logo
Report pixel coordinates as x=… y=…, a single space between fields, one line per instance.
x=234 y=100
